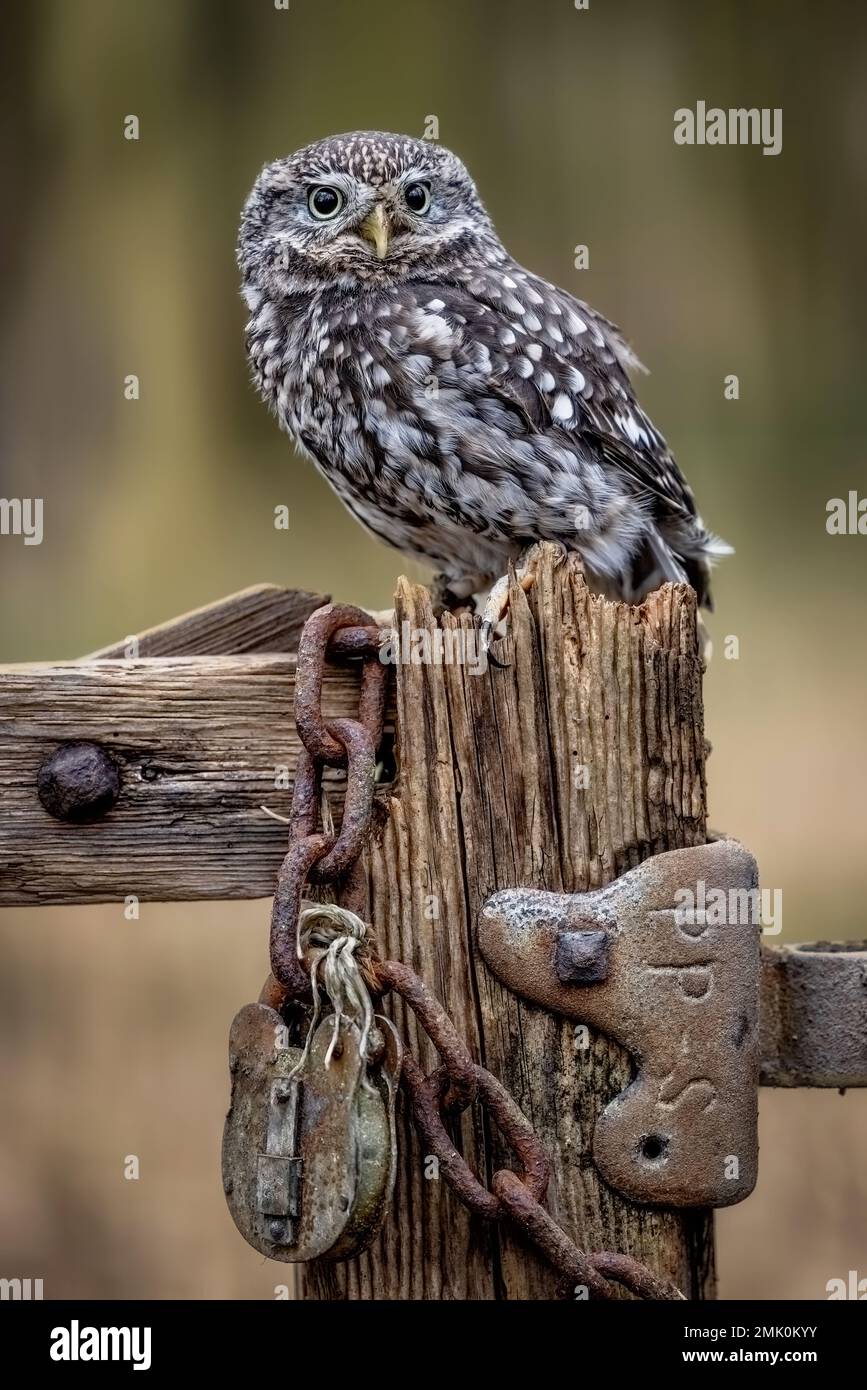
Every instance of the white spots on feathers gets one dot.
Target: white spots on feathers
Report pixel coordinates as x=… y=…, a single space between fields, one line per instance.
x=417 y=366
x=432 y=328
x=629 y=426
x=482 y=359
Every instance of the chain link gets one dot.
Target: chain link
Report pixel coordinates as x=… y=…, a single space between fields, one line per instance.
x=319 y=856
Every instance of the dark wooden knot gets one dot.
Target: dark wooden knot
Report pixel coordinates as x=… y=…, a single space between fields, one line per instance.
x=78 y=782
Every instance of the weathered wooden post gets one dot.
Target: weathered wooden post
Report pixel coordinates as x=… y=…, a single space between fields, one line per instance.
x=582 y=758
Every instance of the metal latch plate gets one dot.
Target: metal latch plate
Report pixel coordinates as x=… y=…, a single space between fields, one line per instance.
x=682 y=995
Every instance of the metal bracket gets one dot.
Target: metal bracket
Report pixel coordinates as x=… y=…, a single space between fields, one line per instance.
x=668 y=961
x=278 y=1176
x=814 y=1014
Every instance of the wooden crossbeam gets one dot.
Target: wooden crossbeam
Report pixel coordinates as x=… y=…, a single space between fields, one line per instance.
x=201 y=742
x=198 y=741
x=263 y=618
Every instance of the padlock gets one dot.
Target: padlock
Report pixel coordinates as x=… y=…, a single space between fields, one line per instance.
x=309 y=1145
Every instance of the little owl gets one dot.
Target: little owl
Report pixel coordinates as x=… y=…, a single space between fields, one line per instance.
x=460 y=406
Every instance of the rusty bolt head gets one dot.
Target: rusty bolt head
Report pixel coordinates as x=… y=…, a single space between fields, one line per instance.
x=78 y=782
x=581 y=957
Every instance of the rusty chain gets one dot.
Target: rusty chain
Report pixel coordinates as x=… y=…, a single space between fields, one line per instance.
x=318 y=855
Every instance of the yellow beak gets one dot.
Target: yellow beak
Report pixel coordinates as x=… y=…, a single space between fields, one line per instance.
x=375 y=229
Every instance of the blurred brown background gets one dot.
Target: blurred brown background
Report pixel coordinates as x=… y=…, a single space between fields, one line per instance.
x=116 y=257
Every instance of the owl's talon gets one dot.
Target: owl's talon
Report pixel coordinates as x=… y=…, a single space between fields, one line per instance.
x=497 y=609
x=496 y=606
x=487 y=633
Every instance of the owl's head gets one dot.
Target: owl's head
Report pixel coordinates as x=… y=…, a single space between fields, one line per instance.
x=362 y=209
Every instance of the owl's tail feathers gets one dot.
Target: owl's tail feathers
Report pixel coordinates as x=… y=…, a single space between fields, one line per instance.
x=699 y=566
x=716 y=548
x=653 y=564
x=693 y=567
x=662 y=561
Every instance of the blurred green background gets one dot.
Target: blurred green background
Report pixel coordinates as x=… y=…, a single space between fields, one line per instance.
x=117 y=257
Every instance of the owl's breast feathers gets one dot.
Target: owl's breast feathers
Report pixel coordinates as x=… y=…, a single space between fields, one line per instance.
x=492 y=403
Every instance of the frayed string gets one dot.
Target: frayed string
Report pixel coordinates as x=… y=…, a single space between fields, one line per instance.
x=329 y=937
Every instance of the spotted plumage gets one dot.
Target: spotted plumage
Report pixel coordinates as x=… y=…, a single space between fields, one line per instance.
x=461 y=407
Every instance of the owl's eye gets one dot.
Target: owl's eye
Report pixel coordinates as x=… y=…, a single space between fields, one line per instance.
x=417 y=197
x=324 y=202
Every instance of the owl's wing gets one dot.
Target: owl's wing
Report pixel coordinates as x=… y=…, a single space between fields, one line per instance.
x=560 y=366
